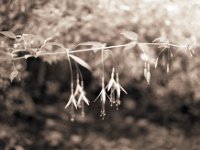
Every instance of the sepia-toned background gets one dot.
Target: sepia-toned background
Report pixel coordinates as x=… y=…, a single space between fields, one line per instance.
x=161 y=116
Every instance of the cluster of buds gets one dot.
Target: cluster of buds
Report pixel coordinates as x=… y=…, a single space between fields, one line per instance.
x=114 y=89
x=147 y=73
x=77 y=99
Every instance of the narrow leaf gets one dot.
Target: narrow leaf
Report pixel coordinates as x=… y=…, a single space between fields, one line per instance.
x=81 y=62
x=8 y=34
x=130 y=35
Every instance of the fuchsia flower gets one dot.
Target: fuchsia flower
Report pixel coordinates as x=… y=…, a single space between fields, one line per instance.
x=103 y=100
x=72 y=101
x=75 y=103
x=118 y=89
x=115 y=88
x=112 y=81
x=102 y=96
x=115 y=92
x=83 y=98
x=79 y=91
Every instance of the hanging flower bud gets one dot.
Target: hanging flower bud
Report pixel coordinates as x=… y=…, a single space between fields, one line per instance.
x=148 y=77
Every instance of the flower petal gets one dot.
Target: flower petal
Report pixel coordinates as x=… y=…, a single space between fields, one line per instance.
x=69 y=102
x=74 y=102
x=123 y=89
x=86 y=100
x=103 y=96
x=110 y=84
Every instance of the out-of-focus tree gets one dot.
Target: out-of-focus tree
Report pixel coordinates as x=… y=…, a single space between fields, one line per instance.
x=74 y=22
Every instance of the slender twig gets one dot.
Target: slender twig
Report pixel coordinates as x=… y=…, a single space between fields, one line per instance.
x=98 y=48
x=71 y=72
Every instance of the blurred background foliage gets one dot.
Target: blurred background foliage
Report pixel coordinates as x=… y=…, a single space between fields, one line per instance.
x=171 y=98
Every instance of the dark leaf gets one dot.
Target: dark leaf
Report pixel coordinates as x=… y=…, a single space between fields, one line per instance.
x=81 y=62
x=8 y=34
